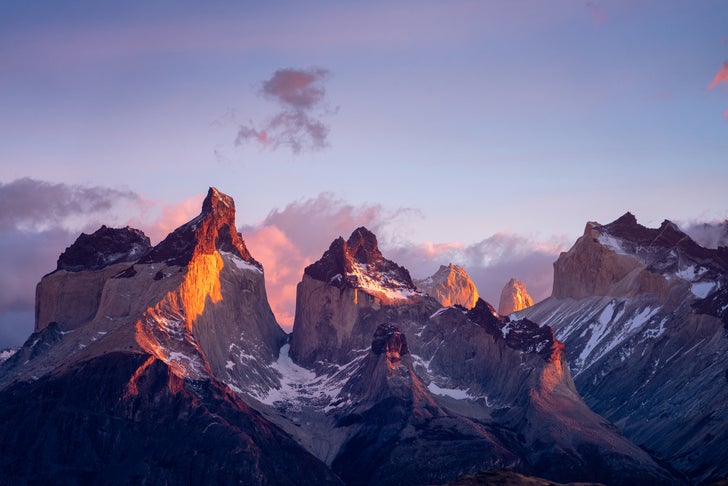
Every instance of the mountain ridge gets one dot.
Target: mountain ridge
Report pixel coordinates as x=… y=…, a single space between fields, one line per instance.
x=375 y=373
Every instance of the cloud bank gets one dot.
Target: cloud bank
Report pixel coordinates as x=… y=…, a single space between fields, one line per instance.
x=708 y=235
x=291 y=238
x=300 y=96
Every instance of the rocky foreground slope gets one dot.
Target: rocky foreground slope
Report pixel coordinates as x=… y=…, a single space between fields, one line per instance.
x=644 y=316
x=166 y=365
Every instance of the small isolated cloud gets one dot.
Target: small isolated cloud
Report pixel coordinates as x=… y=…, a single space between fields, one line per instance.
x=725 y=114
x=300 y=96
x=720 y=77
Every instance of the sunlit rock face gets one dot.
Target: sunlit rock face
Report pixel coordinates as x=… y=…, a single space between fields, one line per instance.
x=643 y=313
x=196 y=300
x=450 y=285
x=514 y=297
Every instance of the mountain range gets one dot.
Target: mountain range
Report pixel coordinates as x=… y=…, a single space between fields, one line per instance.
x=165 y=364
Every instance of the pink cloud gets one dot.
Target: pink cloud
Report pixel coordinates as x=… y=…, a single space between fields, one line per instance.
x=169 y=216
x=283 y=263
x=725 y=114
x=720 y=77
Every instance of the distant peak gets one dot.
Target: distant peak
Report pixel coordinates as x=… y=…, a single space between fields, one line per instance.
x=514 y=297
x=450 y=285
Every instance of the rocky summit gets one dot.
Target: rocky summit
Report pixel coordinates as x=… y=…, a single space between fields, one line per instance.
x=514 y=297
x=643 y=313
x=450 y=285
x=166 y=365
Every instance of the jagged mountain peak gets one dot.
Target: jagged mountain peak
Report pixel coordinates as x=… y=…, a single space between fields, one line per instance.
x=363 y=247
x=450 y=285
x=216 y=201
x=213 y=230
x=357 y=263
x=106 y=246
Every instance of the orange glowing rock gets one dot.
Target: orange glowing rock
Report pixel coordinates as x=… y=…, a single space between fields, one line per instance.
x=514 y=297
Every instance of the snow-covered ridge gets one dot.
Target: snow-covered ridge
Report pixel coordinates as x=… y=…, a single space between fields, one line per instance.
x=386 y=284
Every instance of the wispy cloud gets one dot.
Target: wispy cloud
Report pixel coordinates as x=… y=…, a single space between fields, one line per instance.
x=720 y=77
x=300 y=96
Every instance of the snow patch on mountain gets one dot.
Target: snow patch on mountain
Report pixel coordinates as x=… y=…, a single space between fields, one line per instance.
x=380 y=283
x=239 y=262
x=301 y=387
x=613 y=243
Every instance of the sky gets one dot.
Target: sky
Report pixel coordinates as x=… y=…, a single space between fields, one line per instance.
x=483 y=133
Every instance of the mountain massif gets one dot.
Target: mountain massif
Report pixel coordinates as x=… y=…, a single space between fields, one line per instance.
x=643 y=313
x=165 y=365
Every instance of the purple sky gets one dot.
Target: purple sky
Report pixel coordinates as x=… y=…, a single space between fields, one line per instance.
x=484 y=133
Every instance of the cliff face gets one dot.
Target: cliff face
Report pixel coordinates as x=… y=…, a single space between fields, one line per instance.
x=514 y=297
x=351 y=278
x=643 y=313
x=450 y=285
